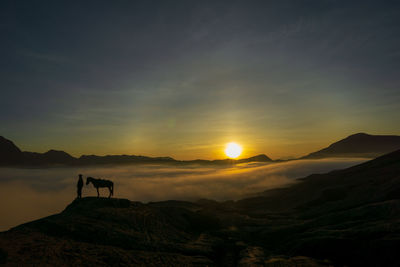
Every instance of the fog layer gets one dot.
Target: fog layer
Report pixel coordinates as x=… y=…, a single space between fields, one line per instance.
x=28 y=194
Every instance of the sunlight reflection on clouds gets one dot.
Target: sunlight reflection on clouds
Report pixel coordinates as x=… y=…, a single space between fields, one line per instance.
x=34 y=193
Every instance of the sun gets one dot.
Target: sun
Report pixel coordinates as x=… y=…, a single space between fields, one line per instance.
x=233 y=150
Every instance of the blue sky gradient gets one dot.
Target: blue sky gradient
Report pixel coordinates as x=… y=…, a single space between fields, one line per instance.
x=182 y=78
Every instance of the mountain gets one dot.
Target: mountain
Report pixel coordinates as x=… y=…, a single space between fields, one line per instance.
x=56 y=156
x=346 y=217
x=258 y=158
x=359 y=145
x=131 y=159
x=119 y=232
x=50 y=157
x=349 y=216
x=11 y=155
x=121 y=159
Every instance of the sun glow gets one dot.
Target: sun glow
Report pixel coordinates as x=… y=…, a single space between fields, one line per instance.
x=233 y=150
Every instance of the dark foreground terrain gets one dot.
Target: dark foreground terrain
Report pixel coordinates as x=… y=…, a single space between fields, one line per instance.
x=349 y=217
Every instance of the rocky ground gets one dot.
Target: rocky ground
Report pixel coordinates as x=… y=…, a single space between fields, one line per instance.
x=119 y=232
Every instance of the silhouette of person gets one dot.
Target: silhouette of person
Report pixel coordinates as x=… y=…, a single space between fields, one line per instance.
x=79 y=186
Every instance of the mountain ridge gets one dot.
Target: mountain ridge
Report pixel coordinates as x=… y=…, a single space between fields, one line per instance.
x=11 y=155
x=9 y=152
x=358 y=145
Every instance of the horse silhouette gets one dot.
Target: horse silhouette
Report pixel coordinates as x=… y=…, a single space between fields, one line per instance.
x=101 y=183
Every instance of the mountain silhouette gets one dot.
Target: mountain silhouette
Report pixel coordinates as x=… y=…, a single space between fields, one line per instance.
x=11 y=155
x=258 y=158
x=349 y=216
x=342 y=218
x=359 y=145
x=57 y=156
x=50 y=157
x=9 y=152
x=122 y=159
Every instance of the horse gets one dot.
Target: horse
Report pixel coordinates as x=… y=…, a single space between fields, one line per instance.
x=101 y=183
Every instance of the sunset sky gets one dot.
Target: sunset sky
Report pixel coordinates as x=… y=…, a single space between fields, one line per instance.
x=183 y=78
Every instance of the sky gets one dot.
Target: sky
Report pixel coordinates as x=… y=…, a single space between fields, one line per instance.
x=183 y=78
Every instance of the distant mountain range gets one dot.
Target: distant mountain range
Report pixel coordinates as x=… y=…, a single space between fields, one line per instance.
x=346 y=217
x=11 y=155
x=359 y=145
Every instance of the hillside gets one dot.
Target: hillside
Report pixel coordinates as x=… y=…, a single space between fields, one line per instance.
x=347 y=217
x=93 y=231
x=359 y=145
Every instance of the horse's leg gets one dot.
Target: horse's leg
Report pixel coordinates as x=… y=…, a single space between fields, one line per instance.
x=97 y=192
x=109 y=189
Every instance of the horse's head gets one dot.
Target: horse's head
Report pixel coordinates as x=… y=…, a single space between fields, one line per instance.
x=88 y=180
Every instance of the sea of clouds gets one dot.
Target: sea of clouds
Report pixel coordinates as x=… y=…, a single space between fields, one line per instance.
x=28 y=194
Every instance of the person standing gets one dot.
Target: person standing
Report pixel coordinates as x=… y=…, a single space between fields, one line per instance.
x=79 y=186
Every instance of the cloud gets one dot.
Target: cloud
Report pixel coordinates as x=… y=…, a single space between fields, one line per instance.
x=34 y=193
